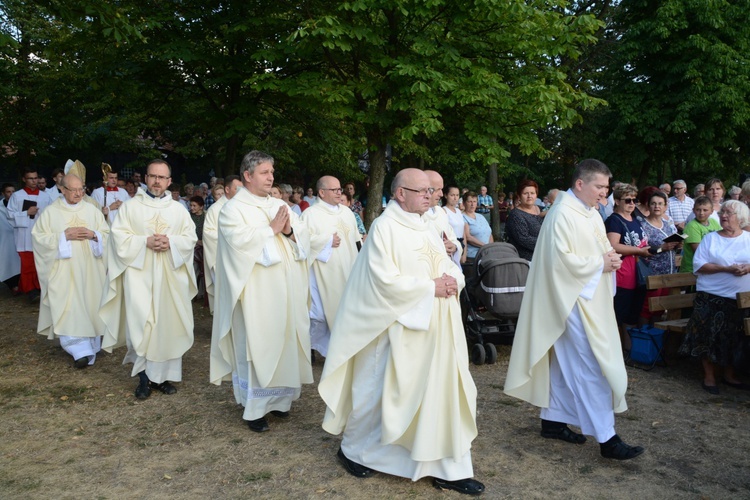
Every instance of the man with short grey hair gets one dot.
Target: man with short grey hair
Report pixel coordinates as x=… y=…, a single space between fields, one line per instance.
x=666 y=188
x=700 y=190
x=680 y=205
x=261 y=328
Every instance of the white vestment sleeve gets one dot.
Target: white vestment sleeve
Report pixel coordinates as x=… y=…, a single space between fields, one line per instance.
x=588 y=290
x=177 y=259
x=96 y=246
x=64 y=248
x=418 y=318
x=325 y=254
x=270 y=254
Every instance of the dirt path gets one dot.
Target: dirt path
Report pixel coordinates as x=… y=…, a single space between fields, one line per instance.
x=70 y=433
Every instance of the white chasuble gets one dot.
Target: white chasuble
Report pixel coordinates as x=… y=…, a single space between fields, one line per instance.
x=329 y=266
x=390 y=323
x=261 y=325
x=72 y=273
x=568 y=257
x=147 y=301
x=210 y=241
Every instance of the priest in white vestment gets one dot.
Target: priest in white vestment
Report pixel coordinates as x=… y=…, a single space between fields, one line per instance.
x=439 y=219
x=211 y=236
x=261 y=328
x=24 y=207
x=334 y=244
x=147 y=304
x=69 y=240
x=396 y=380
x=566 y=356
x=110 y=197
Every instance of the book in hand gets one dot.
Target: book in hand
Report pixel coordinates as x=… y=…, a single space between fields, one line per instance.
x=675 y=238
x=27 y=204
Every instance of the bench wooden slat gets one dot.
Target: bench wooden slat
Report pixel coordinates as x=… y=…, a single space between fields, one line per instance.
x=675 y=325
x=743 y=300
x=671 y=302
x=747 y=327
x=670 y=280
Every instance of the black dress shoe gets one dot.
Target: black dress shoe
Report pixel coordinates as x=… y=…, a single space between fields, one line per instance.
x=465 y=486
x=280 y=414
x=616 y=449
x=81 y=363
x=258 y=425
x=564 y=433
x=142 y=391
x=354 y=468
x=166 y=387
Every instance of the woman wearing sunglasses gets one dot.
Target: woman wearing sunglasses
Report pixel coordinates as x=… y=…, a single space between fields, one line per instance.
x=626 y=235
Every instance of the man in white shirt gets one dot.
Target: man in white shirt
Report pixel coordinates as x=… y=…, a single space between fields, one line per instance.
x=680 y=205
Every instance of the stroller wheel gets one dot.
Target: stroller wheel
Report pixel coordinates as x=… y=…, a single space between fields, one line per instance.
x=491 y=353
x=477 y=354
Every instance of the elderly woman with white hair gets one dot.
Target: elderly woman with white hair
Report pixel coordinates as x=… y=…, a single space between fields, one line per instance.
x=722 y=265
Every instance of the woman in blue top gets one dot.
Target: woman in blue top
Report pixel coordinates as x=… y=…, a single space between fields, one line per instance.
x=477 y=231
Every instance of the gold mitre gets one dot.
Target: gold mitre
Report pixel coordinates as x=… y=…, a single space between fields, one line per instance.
x=76 y=168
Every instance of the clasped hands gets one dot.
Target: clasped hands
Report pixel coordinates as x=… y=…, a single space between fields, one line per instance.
x=612 y=261
x=445 y=286
x=158 y=242
x=282 y=222
x=79 y=233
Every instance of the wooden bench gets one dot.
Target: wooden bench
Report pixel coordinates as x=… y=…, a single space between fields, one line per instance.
x=679 y=298
x=743 y=302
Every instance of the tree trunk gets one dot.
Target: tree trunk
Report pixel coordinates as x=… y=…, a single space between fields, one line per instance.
x=377 y=178
x=230 y=165
x=494 y=213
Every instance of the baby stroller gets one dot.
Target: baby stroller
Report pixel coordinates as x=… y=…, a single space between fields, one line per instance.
x=491 y=300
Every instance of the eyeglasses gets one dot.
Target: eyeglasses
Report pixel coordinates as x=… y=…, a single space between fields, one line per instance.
x=159 y=177
x=628 y=200
x=74 y=191
x=335 y=190
x=678 y=187
x=727 y=213
x=420 y=192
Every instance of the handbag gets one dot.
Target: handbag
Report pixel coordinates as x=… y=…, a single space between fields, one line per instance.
x=643 y=271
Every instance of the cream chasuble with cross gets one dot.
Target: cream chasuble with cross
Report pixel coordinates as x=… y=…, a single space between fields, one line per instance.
x=147 y=301
x=72 y=273
x=261 y=326
x=421 y=405
x=568 y=259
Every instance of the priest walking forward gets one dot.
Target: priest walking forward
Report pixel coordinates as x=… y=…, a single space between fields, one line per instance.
x=261 y=327
x=211 y=235
x=69 y=241
x=146 y=305
x=396 y=380
x=334 y=243
x=566 y=355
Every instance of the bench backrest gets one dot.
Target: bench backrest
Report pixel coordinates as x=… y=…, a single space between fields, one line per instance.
x=676 y=280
